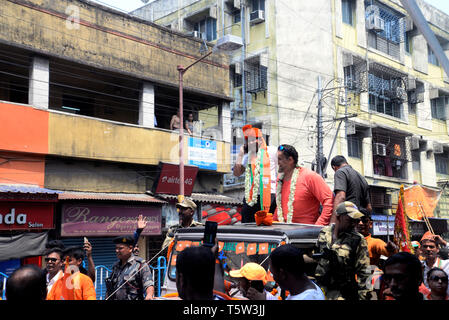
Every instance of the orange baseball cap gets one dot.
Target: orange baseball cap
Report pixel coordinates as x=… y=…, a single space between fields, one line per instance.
x=250 y=271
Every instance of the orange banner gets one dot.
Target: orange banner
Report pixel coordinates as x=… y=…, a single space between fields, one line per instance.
x=419 y=201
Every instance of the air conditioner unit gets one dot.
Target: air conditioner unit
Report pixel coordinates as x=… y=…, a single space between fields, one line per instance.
x=437 y=147
x=380 y=149
x=416 y=97
x=411 y=84
x=238 y=68
x=257 y=16
x=375 y=23
x=350 y=128
x=408 y=24
x=401 y=93
x=414 y=143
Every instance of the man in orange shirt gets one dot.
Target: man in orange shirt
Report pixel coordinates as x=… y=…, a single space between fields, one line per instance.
x=376 y=247
x=300 y=192
x=73 y=285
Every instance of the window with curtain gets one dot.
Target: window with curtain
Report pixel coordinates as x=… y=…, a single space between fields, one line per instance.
x=257 y=5
x=431 y=57
x=207 y=27
x=347 y=8
x=441 y=164
x=354 y=146
x=438 y=107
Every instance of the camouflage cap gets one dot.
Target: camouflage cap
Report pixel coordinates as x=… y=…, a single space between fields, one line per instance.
x=350 y=209
x=186 y=203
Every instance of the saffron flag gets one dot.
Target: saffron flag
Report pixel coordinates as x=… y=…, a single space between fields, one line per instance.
x=420 y=201
x=401 y=226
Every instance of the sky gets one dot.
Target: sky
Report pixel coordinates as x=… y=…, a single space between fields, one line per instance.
x=130 y=5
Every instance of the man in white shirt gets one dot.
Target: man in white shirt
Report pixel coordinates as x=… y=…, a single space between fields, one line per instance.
x=429 y=250
x=288 y=269
x=53 y=259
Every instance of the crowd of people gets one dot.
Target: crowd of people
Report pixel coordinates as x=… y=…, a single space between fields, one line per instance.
x=348 y=262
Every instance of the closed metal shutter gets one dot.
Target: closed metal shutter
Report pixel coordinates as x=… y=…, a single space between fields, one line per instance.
x=103 y=254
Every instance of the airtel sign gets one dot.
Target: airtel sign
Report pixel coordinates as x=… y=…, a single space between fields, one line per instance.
x=168 y=180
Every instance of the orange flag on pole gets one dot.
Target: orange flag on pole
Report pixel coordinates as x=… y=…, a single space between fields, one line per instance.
x=401 y=226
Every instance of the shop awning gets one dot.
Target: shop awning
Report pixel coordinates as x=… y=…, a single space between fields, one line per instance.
x=206 y=198
x=22 y=245
x=77 y=195
x=18 y=188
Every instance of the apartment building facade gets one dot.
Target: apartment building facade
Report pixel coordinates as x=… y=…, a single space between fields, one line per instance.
x=372 y=62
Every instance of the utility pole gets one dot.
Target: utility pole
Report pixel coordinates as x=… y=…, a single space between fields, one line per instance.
x=319 y=125
x=242 y=23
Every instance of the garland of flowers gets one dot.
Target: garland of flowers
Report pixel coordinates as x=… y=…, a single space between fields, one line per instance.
x=291 y=196
x=249 y=178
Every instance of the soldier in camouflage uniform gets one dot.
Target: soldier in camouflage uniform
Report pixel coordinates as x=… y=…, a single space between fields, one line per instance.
x=139 y=284
x=342 y=259
x=186 y=211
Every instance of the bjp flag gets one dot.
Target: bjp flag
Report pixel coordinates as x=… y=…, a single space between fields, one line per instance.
x=263 y=248
x=240 y=248
x=251 y=249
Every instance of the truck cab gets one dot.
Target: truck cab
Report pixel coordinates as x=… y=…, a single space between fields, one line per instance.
x=242 y=243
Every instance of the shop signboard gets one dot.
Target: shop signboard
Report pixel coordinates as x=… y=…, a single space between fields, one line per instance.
x=203 y=153
x=87 y=219
x=26 y=216
x=167 y=182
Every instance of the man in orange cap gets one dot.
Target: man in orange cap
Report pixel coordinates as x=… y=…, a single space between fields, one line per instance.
x=429 y=250
x=259 y=163
x=252 y=279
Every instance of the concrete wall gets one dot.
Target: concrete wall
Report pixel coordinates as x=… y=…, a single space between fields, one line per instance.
x=111 y=40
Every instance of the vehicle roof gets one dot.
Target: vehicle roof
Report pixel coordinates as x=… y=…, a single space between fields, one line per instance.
x=291 y=230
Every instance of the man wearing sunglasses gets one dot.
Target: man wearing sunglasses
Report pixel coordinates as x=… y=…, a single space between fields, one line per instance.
x=376 y=247
x=54 y=264
x=300 y=192
x=429 y=250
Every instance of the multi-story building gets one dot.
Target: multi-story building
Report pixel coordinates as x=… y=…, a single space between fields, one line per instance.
x=372 y=62
x=87 y=94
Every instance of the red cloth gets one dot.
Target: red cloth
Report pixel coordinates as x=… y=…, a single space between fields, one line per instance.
x=311 y=190
x=401 y=227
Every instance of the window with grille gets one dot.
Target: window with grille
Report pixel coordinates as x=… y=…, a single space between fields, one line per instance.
x=387 y=40
x=347 y=7
x=383 y=95
x=255 y=77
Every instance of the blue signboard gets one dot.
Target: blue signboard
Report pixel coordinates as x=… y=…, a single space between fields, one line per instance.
x=203 y=153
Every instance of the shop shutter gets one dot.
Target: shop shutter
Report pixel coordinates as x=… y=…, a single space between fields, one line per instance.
x=103 y=254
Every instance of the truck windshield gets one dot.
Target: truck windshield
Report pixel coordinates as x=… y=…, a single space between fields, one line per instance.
x=234 y=254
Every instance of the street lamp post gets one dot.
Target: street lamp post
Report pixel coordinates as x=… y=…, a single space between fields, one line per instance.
x=181 y=71
x=226 y=43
